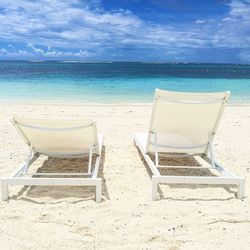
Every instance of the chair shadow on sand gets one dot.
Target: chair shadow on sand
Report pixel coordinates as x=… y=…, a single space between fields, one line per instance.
x=55 y=165
x=187 y=161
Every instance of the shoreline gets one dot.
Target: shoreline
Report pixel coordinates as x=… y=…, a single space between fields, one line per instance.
x=98 y=104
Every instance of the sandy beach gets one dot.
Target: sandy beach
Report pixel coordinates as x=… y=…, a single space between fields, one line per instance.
x=184 y=217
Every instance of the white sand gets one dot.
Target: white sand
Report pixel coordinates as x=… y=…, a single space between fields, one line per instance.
x=186 y=217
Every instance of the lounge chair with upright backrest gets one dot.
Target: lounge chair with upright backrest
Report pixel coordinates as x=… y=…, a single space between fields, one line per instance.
x=182 y=125
x=58 y=139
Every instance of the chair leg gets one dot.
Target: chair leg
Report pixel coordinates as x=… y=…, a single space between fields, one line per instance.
x=98 y=195
x=241 y=189
x=154 y=188
x=4 y=191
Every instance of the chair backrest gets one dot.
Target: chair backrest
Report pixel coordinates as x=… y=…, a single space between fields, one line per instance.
x=58 y=137
x=184 y=122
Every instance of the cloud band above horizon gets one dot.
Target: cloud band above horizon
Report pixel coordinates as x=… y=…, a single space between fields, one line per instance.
x=139 y=31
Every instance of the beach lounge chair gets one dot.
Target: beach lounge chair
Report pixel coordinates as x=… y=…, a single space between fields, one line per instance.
x=184 y=124
x=58 y=139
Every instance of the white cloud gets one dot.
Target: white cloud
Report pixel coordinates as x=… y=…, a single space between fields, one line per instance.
x=69 y=26
x=50 y=53
x=3 y=51
x=240 y=9
x=15 y=54
x=41 y=53
x=36 y=50
x=245 y=55
x=199 y=21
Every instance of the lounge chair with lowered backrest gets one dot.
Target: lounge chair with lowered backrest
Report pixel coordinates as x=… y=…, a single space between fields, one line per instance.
x=184 y=124
x=58 y=139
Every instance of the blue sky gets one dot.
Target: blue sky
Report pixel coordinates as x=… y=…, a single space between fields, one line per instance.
x=128 y=30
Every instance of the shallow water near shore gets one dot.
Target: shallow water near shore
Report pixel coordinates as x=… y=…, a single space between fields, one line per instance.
x=80 y=82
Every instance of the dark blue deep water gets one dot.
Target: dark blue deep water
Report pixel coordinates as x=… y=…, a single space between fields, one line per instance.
x=116 y=82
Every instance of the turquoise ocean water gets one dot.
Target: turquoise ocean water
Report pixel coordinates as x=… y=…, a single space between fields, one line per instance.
x=76 y=82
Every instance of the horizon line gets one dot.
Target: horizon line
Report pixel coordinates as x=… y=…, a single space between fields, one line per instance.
x=106 y=61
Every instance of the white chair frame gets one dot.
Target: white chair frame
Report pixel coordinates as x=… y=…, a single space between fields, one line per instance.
x=226 y=178
x=90 y=178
